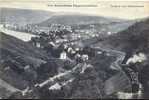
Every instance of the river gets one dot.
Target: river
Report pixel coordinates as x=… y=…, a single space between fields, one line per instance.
x=20 y=35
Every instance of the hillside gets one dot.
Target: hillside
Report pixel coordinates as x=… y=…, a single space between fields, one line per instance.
x=16 y=55
x=11 y=46
x=133 y=39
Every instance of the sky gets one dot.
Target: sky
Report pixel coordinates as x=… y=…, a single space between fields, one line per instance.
x=128 y=9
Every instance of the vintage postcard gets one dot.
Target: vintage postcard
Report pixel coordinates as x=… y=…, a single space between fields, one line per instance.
x=74 y=49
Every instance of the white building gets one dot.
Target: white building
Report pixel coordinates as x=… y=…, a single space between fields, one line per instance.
x=63 y=55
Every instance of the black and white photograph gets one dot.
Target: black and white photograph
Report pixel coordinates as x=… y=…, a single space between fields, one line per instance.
x=74 y=50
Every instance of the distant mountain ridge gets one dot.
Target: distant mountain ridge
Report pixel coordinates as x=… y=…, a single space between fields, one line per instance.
x=71 y=19
x=81 y=21
x=23 y=16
